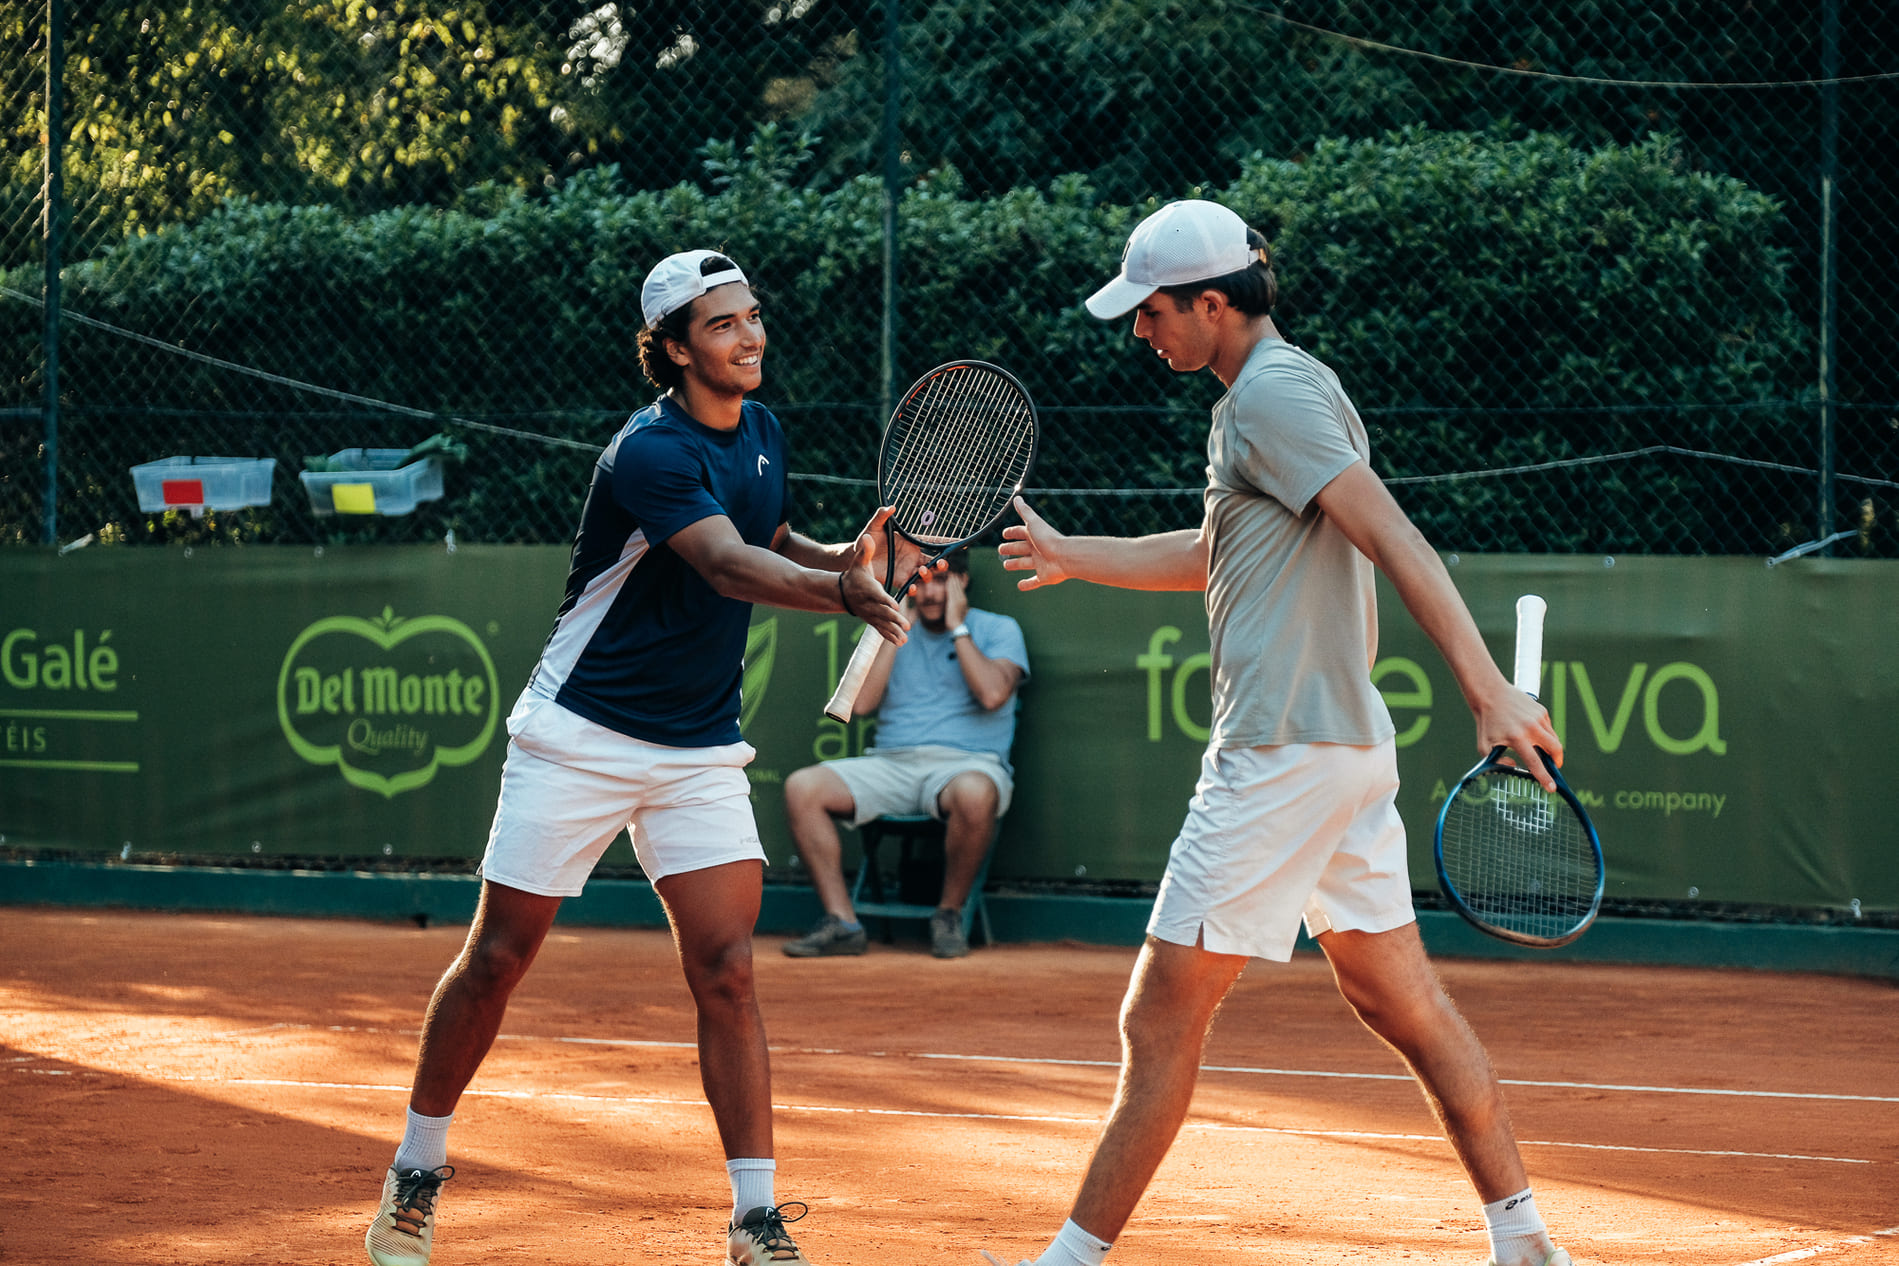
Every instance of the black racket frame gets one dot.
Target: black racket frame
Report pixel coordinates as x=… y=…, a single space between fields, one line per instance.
x=934 y=549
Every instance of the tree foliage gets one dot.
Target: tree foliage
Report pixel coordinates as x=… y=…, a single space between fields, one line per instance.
x=175 y=110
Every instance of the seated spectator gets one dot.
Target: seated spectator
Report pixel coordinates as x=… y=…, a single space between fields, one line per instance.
x=945 y=703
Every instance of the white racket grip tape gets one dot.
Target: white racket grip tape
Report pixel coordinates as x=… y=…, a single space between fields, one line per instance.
x=1530 y=612
x=844 y=698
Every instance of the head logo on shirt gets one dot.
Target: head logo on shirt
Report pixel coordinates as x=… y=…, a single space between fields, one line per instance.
x=763 y=461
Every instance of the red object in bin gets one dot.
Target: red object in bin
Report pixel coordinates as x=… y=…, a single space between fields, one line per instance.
x=182 y=492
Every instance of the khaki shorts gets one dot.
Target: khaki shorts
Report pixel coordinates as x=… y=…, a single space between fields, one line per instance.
x=569 y=786
x=909 y=779
x=1274 y=834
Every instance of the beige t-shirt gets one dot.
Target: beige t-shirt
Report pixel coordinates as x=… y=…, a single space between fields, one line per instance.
x=1290 y=601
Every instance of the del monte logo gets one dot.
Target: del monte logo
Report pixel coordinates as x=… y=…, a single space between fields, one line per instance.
x=388 y=700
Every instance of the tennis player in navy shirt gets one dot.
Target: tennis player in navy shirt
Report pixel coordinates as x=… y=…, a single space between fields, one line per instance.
x=630 y=721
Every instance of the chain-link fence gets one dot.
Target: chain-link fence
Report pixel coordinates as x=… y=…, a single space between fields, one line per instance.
x=1611 y=277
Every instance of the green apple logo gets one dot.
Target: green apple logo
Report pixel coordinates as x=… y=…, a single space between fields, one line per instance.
x=388 y=701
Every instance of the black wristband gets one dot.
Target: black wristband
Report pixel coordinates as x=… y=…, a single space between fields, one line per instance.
x=841 y=597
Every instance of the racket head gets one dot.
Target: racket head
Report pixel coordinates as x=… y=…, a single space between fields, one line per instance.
x=1517 y=862
x=958 y=448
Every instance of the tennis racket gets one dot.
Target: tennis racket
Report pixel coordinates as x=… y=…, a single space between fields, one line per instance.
x=1519 y=863
x=957 y=449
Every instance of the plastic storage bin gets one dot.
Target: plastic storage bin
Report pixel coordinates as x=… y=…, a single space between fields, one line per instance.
x=203 y=483
x=373 y=481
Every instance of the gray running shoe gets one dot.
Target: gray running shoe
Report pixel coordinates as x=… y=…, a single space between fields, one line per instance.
x=759 y=1238
x=946 y=934
x=826 y=938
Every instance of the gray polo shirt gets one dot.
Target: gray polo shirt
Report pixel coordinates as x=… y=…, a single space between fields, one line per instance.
x=1290 y=601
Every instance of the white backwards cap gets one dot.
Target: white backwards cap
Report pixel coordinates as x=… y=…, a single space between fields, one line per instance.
x=1179 y=244
x=679 y=279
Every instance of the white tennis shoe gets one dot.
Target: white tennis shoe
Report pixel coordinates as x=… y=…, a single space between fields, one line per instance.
x=1559 y=1258
x=403 y=1233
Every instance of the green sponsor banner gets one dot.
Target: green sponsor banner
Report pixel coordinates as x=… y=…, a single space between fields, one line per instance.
x=1727 y=724
x=283 y=702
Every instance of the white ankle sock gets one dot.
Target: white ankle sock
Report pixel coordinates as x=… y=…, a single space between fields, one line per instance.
x=1074 y=1247
x=752 y=1181
x=424 y=1142
x=1516 y=1229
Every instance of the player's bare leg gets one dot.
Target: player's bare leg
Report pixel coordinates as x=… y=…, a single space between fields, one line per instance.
x=968 y=804
x=469 y=1002
x=815 y=798
x=1391 y=984
x=463 y=1017
x=712 y=913
x=1170 y=1004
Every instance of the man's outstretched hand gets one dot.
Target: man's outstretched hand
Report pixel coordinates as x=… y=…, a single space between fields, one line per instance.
x=1032 y=546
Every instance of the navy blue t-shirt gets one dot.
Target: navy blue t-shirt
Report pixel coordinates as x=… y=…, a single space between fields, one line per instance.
x=642 y=644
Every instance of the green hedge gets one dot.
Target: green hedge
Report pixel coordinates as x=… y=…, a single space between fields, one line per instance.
x=1484 y=299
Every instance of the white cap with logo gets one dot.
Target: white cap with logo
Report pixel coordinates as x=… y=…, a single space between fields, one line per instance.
x=1179 y=244
x=679 y=279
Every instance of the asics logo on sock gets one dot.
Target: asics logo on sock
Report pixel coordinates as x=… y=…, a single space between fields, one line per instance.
x=1514 y=1201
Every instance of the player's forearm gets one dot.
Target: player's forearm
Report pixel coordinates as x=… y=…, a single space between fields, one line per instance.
x=746 y=573
x=1164 y=561
x=815 y=555
x=1360 y=505
x=1426 y=589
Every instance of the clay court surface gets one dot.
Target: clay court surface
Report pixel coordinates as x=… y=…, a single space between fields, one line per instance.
x=201 y=1089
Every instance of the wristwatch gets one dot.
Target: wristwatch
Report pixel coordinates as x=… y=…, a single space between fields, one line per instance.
x=961 y=630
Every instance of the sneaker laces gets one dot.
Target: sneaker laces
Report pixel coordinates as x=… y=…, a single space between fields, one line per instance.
x=415 y=1197
x=770 y=1231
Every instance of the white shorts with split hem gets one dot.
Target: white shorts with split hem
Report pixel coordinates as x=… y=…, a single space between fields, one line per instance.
x=569 y=786
x=1274 y=834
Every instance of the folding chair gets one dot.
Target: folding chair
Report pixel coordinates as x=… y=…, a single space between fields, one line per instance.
x=918 y=874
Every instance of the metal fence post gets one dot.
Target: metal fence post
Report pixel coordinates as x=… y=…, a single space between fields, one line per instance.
x=893 y=180
x=53 y=208
x=1829 y=260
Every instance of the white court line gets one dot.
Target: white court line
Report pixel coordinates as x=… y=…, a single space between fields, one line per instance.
x=1241 y=1068
x=1801 y=1254
x=1050 y=1062
x=570 y=1096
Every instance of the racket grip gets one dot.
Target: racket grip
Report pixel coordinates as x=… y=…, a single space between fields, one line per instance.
x=844 y=698
x=1529 y=665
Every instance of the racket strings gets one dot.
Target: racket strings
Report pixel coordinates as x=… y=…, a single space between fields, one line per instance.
x=961 y=458
x=1518 y=857
x=959 y=449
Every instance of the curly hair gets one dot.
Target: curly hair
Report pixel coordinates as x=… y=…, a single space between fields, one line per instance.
x=660 y=369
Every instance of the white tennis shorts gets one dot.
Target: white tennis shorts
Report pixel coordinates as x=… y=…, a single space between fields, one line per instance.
x=569 y=786
x=909 y=779
x=1276 y=833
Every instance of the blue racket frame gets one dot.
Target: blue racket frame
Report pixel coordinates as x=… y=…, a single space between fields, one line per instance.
x=1493 y=766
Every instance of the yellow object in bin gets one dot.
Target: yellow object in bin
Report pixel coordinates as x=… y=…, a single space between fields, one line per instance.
x=353 y=498
x=371 y=481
